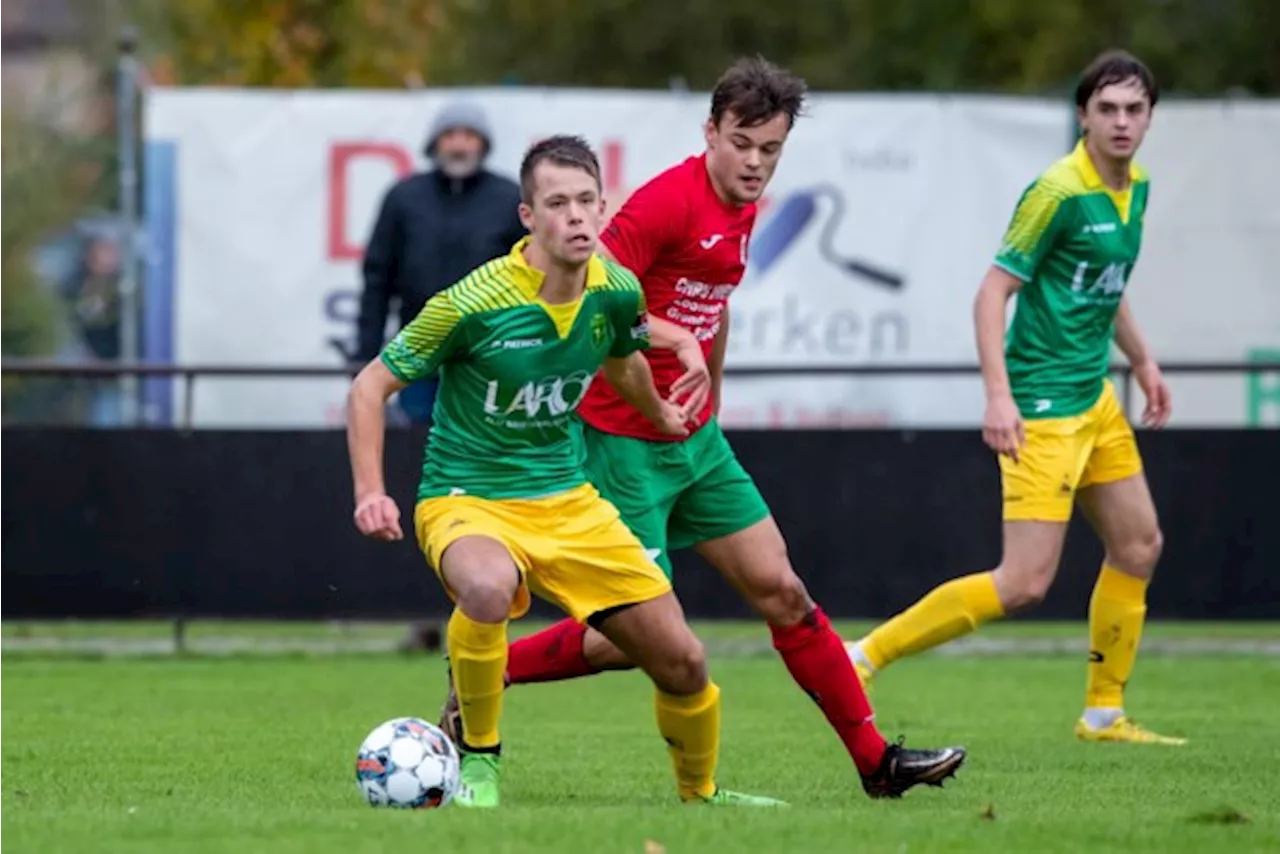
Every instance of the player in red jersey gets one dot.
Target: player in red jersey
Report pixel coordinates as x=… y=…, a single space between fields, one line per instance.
x=685 y=236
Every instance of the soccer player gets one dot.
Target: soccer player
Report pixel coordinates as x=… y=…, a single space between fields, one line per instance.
x=1052 y=414
x=685 y=235
x=504 y=507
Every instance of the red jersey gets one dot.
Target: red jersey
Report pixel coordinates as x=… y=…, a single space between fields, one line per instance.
x=689 y=251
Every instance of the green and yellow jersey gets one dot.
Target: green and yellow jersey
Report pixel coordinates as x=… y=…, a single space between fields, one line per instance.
x=1073 y=242
x=512 y=372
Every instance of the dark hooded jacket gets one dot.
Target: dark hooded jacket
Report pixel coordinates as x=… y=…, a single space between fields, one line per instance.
x=431 y=231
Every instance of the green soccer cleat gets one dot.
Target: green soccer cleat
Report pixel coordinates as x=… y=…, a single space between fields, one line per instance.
x=479 y=787
x=725 y=798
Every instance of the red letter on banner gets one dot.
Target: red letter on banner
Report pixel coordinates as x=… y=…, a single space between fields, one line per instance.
x=340 y=158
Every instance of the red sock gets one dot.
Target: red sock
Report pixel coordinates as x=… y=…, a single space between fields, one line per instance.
x=551 y=654
x=816 y=657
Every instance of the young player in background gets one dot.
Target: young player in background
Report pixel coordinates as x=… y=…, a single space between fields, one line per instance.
x=1052 y=414
x=516 y=343
x=685 y=235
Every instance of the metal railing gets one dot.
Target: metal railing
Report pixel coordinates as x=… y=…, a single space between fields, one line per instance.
x=188 y=374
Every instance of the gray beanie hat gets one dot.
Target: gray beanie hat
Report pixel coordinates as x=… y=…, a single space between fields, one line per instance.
x=459 y=115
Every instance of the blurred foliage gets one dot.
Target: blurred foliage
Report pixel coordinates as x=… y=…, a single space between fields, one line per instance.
x=40 y=190
x=47 y=180
x=1194 y=46
x=58 y=161
x=287 y=43
x=58 y=164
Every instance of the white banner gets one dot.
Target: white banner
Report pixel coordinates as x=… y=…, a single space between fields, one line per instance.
x=1207 y=286
x=878 y=226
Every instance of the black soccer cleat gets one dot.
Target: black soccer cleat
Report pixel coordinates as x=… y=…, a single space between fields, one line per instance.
x=901 y=768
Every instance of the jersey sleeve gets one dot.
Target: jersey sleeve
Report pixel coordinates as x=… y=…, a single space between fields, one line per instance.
x=1036 y=223
x=630 y=319
x=427 y=341
x=650 y=220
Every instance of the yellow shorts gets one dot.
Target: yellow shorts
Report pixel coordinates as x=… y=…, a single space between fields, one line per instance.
x=571 y=549
x=1062 y=455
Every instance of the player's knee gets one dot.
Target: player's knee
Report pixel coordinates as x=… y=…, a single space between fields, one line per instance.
x=487 y=597
x=771 y=585
x=685 y=670
x=1139 y=554
x=787 y=601
x=1029 y=594
x=1023 y=586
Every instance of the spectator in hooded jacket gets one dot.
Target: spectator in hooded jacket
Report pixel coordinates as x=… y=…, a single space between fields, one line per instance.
x=433 y=228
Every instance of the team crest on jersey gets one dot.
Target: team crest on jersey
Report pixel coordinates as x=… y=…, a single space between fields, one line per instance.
x=599 y=329
x=640 y=329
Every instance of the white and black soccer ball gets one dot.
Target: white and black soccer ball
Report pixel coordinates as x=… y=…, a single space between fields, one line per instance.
x=408 y=763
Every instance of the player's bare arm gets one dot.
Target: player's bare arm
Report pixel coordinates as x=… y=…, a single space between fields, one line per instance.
x=716 y=362
x=633 y=380
x=376 y=514
x=1145 y=370
x=1002 y=427
x=690 y=390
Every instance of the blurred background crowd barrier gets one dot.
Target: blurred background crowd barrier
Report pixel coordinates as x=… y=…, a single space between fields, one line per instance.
x=190 y=188
x=193 y=184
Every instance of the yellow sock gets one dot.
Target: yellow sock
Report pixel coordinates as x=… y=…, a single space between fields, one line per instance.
x=1116 y=614
x=691 y=726
x=946 y=612
x=478 y=658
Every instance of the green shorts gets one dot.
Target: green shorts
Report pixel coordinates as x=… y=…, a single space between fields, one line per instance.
x=674 y=495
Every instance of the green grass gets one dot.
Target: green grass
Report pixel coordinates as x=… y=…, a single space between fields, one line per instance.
x=256 y=754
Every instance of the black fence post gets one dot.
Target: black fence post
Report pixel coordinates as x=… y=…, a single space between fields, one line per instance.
x=179 y=635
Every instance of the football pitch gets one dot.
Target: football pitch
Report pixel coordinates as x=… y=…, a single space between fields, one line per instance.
x=246 y=742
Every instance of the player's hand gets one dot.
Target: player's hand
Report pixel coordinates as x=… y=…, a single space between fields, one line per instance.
x=672 y=419
x=693 y=387
x=1002 y=427
x=1159 y=400
x=378 y=518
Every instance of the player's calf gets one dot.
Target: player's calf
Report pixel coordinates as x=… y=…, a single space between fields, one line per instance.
x=755 y=561
x=656 y=637
x=1124 y=516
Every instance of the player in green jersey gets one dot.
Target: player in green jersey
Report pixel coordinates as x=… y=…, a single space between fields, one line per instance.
x=504 y=506
x=1052 y=414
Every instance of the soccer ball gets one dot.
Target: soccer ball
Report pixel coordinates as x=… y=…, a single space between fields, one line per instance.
x=407 y=763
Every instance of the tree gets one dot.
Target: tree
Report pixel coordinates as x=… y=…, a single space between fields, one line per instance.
x=47 y=179
x=1194 y=46
x=288 y=43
